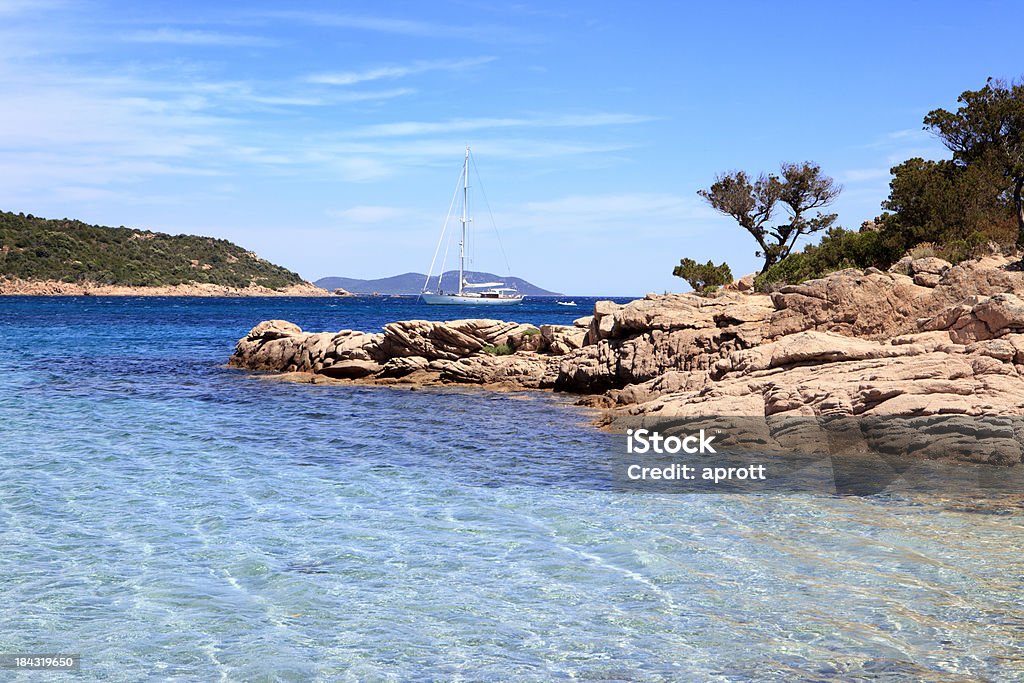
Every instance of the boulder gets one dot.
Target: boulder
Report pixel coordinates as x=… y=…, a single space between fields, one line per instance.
x=528 y=339
x=978 y=318
x=559 y=340
x=743 y=284
x=850 y=303
x=402 y=366
x=522 y=370
x=808 y=348
x=444 y=340
x=930 y=265
x=351 y=369
x=273 y=329
x=602 y=323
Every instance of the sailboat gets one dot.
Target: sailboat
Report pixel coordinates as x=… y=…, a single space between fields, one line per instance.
x=469 y=294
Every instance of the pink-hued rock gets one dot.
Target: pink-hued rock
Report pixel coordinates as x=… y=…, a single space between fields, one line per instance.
x=925 y=339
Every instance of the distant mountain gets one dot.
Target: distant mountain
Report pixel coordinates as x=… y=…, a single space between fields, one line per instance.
x=412 y=283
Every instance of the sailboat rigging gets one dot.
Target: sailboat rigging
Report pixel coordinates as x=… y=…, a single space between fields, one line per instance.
x=490 y=293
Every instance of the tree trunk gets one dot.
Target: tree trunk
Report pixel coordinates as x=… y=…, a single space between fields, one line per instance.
x=1018 y=205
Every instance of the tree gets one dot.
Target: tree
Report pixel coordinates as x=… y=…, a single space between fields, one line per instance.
x=988 y=130
x=704 y=277
x=943 y=202
x=800 y=189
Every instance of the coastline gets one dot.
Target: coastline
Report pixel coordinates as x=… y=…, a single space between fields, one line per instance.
x=909 y=349
x=18 y=287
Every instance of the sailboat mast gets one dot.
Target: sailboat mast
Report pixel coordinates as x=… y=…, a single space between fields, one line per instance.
x=465 y=219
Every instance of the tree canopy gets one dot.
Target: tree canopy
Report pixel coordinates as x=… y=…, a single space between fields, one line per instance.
x=799 y=189
x=951 y=208
x=942 y=202
x=987 y=131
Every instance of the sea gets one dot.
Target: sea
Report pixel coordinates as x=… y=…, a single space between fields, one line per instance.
x=165 y=517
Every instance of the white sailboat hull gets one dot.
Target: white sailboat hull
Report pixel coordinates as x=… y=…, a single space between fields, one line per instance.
x=464 y=300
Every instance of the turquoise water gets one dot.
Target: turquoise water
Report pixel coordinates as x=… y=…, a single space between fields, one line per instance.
x=169 y=518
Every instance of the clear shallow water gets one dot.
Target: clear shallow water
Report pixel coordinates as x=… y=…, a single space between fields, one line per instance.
x=169 y=518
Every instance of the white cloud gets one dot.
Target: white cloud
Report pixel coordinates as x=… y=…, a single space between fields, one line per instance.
x=906 y=133
x=394 y=71
x=860 y=175
x=172 y=36
x=52 y=118
x=401 y=26
x=371 y=95
x=357 y=169
x=12 y=7
x=479 y=33
x=413 y=128
x=365 y=161
x=369 y=214
x=630 y=209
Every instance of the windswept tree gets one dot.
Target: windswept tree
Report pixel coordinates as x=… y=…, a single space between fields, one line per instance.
x=988 y=131
x=799 y=189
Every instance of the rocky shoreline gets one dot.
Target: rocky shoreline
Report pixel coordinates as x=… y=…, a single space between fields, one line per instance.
x=18 y=287
x=924 y=339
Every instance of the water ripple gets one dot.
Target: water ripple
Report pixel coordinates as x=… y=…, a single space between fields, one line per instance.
x=171 y=518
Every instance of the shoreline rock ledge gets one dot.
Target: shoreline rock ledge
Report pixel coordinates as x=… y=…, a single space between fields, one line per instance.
x=924 y=339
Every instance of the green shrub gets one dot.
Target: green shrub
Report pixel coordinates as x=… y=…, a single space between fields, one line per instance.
x=498 y=350
x=704 y=278
x=923 y=250
x=838 y=250
x=969 y=247
x=531 y=333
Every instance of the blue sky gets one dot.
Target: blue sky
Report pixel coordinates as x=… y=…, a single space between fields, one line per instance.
x=328 y=136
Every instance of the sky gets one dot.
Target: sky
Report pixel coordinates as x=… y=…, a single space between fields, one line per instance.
x=328 y=136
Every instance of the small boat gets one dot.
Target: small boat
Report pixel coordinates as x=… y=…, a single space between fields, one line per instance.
x=566 y=303
x=479 y=294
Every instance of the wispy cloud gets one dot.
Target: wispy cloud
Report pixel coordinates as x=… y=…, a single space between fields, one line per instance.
x=405 y=27
x=395 y=71
x=173 y=36
x=413 y=128
x=386 y=25
x=907 y=133
x=394 y=155
x=369 y=214
x=584 y=212
x=860 y=175
x=12 y=7
x=95 y=127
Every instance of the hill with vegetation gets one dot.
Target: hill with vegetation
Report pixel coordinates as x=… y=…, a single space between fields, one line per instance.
x=70 y=251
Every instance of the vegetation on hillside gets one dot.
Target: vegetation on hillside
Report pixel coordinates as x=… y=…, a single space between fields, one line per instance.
x=34 y=248
x=951 y=208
